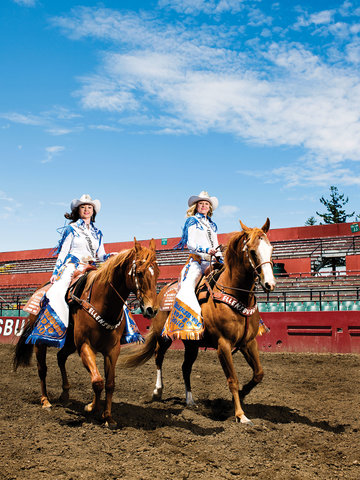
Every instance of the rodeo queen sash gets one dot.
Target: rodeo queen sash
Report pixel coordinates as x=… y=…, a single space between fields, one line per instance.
x=49 y=329
x=53 y=319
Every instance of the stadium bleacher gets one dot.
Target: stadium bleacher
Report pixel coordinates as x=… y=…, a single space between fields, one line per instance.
x=295 y=291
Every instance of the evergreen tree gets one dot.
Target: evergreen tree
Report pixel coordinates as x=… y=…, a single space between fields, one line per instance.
x=335 y=207
x=310 y=221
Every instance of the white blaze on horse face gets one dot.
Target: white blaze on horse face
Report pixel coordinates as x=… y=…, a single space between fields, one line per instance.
x=264 y=252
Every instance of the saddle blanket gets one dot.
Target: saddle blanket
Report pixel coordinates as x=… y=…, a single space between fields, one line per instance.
x=33 y=304
x=169 y=297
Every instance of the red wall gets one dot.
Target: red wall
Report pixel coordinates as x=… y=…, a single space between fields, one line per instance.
x=315 y=231
x=316 y=332
x=294 y=266
x=353 y=264
x=24 y=278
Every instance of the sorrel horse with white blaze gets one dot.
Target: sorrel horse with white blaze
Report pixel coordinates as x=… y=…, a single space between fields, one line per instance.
x=106 y=290
x=247 y=261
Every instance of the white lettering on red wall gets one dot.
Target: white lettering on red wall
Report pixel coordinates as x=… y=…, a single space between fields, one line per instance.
x=11 y=328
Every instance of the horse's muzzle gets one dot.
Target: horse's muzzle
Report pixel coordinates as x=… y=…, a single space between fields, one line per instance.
x=149 y=312
x=268 y=287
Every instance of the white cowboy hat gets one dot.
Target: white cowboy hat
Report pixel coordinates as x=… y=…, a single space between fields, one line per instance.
x=203 y=196
x=86 y=199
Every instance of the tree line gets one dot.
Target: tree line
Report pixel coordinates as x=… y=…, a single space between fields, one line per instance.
x=335 y=206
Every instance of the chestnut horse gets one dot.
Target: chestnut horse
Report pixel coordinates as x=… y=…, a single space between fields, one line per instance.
x=134 y=270
x=247 y=261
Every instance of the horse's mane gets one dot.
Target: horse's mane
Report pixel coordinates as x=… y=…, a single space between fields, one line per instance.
x=105 y=272
x=231 y=252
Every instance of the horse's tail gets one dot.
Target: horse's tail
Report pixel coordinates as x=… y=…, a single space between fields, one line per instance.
x=142 y=354
x=23 y=351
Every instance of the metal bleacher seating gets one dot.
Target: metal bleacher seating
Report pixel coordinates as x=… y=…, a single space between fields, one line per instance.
x=293 y=293
x=329 y=246
x=28 y=266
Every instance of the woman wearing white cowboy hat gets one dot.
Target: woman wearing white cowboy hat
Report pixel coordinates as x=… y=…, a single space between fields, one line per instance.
x=81 y=243
x=200 y=237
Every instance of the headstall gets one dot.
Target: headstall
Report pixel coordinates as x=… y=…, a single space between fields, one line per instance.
x=256 y=273
x=133 y=273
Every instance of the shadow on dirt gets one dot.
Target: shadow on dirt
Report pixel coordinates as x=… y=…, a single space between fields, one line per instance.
x=220 y=410
x=139 y=417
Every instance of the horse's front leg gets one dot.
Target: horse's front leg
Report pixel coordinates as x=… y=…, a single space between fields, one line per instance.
x=191 y=353
x=40 y=351
x=88 y=358
x=225 y=357
x=161 y=348
x=62 y=356
x=109 y=364
x=251 y=354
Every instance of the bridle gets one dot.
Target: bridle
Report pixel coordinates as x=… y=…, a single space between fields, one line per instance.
x=255 y=267
x=255 y=270
x=134 y=275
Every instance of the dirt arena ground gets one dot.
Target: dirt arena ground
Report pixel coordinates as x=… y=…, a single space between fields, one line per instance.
x=306 y=416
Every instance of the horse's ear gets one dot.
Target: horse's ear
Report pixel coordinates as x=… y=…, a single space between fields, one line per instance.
x=137 y=245
x=266 y=226
x=244 y=227
x=152 y=245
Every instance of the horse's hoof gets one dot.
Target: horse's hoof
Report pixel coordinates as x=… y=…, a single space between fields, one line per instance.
x=190 y=402
x=89 y=407
x=110 y=424
x=45 y=404
x=244 y=420
x=157 y=395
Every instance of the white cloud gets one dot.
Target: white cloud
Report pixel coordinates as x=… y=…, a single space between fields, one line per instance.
x=307 y=171
x=4 y=197
x=51 y=152
x=181 y=79
x=8 y=205
x=26 y=3
x=195 y=7
x=258 y=18
x=58 y=131
x=227 y=211
x=105 y=94
x=353 y=51
x=23 y=119
x=49 y=120
x=106 y=128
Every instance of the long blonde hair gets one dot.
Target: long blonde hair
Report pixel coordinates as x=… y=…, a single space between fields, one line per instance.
x=192 y=210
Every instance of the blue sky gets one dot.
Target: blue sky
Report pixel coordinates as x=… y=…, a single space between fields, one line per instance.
x=143 y=104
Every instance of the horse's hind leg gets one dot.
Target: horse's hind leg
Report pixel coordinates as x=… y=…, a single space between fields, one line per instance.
x=88 y=358
x=161 y=348
x=251 y=354
x=191 y=353
x=62 y=356
x=40 y=352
